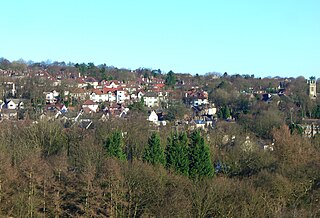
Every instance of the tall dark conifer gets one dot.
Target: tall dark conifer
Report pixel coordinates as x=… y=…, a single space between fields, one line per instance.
x=177 y=153
x=154 y=153
x=199 y=156
x=114 y=145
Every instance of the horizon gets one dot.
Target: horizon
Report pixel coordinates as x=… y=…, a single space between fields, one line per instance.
x=50 y=62
x=267 y=39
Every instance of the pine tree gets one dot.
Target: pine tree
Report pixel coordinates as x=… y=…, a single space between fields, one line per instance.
x=199 y=157
x=177 y=153
x=114 y=145
x=154 y=153
x=224 y=112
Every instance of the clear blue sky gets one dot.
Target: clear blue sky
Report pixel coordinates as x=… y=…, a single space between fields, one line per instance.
x=261 y=37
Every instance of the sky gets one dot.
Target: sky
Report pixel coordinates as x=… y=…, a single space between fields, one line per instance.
x=264 y=38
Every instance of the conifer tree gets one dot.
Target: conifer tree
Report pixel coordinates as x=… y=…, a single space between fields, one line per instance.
x=114 y=145
x=154 y=153
x=177 y=153
x=199 y=156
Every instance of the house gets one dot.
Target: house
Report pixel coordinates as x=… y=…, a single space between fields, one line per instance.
x=311 y=127
x=151 y=99
x=89 y=106
x=200 y=124
x=97 y=95
x=81 y=83
x=158 y=86
x=112 y=84
x=121 y=96
x=51 y=97
x=14 y=104
x=110 y=94
x=91 y=81
x=153 y=117
x=211 y=110
x=192 y=97
x=156 y=119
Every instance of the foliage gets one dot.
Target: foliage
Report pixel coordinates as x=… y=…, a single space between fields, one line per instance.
x=170 y=78
x=224 y=112
x=138 y=106
x=199 y=156
x=316 y=112
x=48 y=136
x=114 y=145
x=175 y=111
x=154 y=153
x=176 y=153
x=262 y=122
x=78 y=180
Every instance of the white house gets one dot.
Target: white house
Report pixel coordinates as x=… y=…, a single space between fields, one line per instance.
x=111 y=96
x=13 y=104
x=89 y=104
x=212 y=110
x=91 y=81
x=121 y=96
x=51 y=97
x=200 y=101
x=153 y=117
x=151 y=99
x=112 y=85
x=98 y=95
x=197 y=98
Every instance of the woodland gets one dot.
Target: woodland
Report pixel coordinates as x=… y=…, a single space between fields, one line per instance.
x=49 y=171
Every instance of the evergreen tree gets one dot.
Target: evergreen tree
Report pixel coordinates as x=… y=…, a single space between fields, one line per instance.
x=170 y=78
x=114 y=145
x=154 y=153
x=199 y=157
x=224 y=112
x=177 y=153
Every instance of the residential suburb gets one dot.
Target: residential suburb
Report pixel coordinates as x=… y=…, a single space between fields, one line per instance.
x=86 y=140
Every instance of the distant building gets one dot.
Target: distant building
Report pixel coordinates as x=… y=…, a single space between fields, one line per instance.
x=312 y=87
x=311 y=127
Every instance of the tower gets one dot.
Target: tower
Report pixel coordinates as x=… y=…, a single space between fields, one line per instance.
x=312 y=87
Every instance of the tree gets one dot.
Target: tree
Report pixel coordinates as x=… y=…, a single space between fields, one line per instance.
x=114 y=145
x=224 y=112
x=199 y=157
x=170 y=78
x=176 y=110
x=316 y=112
x=154 y=153
x=48 y=136
x=138 y=106
x=177 y=153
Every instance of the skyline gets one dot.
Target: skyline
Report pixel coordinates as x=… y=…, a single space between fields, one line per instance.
x=248 y=37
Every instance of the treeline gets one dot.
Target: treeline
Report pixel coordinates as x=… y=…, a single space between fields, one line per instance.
x=134 y=170
x=70 y=69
